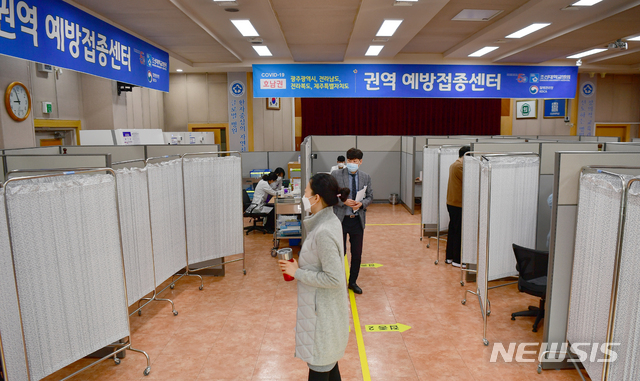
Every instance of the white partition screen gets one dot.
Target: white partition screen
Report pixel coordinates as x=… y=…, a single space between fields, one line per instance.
x=626 y=329
x=593 y=262
x=133 y=201
x=69 y=271
x=470 y=194
x=10 y=329
x=213 y=205
x=430 y=186
x=167 y=218
x=448 y=155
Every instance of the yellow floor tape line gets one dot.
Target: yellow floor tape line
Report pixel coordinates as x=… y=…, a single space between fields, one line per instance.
x=366 y=376
x=392 y=224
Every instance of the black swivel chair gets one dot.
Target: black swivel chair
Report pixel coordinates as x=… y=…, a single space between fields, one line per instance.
x=532 y=266
x=255 y=216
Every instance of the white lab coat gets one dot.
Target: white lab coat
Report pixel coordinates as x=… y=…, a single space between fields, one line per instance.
x=260 y=194
x=335 y=168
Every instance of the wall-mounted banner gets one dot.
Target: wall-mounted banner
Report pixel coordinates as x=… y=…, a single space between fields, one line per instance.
x=587 y=105
x=59 y=34
x=237 y=106
x=413 y=81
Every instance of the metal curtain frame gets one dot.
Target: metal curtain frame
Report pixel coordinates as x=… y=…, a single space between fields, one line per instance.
x=626 y=186
x=171 y=284
x=437 y=237
x=154 y=295
x=124 y=346
x=485 y=305
x=184 y=200
x=466 y=269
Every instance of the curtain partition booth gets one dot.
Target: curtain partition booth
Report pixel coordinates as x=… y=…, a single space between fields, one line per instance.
x=77 y=258
x=568 y=167
x=407 y=173
x=507 y=193
x=604 y=305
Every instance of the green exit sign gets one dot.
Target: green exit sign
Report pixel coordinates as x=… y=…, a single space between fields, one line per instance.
x=47 y=107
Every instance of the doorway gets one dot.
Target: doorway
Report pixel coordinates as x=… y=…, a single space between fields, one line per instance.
x=623 y=131
x=220 y=130
x=57 y=132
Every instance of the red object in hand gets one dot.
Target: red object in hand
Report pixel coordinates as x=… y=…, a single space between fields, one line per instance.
x=287 y=277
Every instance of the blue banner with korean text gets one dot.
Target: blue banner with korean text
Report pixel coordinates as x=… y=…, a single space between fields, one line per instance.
x=56 y=33
x=413 y=81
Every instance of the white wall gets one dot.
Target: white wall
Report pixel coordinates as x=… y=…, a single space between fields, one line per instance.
x=539 y=126
x=273 y=129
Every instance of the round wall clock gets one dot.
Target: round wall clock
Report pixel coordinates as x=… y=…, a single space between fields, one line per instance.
x=18 y=101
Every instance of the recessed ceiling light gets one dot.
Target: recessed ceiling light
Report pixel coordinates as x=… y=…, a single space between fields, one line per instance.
x=262 y=50
x=483 y=51
x=246 y=28
x=374 y=50
x=179 y=70
x=585 y=3
x=637 y=38
x=528 y=30
x=388 y=28
x=476 y=15
x=587 y=53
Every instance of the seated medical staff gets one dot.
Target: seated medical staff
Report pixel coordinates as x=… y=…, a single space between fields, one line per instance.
x=262 y=191
x=341 y=164
x=277 y=185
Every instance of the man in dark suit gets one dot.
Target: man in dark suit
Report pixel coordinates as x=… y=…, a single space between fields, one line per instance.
x=352 y=213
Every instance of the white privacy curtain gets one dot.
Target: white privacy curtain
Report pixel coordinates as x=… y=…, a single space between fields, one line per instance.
x=66 y=250
x=133 y=201
x=10 y=329
x=513 y=208
x=167 y=218
x=213 y=199
x=627 y=320
x=430 y=186
x=483 y=211
x=593 y=262
x=470 y=194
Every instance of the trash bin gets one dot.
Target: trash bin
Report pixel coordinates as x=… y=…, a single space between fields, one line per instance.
x=393 y=198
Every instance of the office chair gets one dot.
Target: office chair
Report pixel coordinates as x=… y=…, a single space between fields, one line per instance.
x=532 y=266
x=256 y=216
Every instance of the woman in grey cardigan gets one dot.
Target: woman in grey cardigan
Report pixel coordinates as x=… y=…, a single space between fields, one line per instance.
x=322 y=328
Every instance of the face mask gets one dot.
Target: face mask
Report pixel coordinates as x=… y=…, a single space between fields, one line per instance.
x=352 y=167
x=307 y=203
x=341 y=165
x=279 y=178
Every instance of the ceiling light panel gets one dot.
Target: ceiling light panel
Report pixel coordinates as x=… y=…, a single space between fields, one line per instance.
x=637 y=38
x=528 y=30
x=476 y=15
x=246 y=28
x=374 y=50
x=587 y=53
x=388 y=28
x=483 y=51
x=585 y=3
x=263 y=51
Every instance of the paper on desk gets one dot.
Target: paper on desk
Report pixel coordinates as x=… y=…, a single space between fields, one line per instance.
x=361 y=194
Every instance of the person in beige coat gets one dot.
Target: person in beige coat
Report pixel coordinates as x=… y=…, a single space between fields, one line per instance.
x=322 y=326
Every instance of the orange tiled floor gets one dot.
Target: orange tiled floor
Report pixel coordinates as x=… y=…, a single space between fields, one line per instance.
x=241 y=327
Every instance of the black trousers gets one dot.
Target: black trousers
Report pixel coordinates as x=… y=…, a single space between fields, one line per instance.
x=332 y=375
x=454 y=238
x=353 y=228
x=271 y=220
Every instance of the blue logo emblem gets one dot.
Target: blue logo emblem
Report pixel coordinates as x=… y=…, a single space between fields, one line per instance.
x=534 y=89
x=149 y=76
x=149 y=60
x=236 y=89
x=535 y=77
x=587 y=89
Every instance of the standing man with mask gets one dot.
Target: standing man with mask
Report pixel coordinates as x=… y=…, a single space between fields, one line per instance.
x=352 y=213
x=341 y=164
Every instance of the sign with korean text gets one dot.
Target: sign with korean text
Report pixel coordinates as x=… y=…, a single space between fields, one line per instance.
x=56 y=33
x=414 y=81
x=238 y=126
x=587 y=105
x=555 y=108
